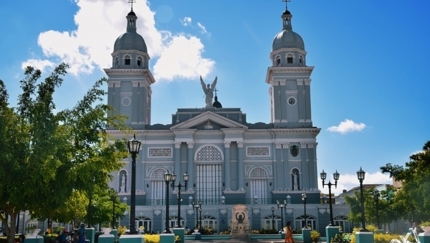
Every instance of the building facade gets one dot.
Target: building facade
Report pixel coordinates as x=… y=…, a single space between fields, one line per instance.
x=229 y=161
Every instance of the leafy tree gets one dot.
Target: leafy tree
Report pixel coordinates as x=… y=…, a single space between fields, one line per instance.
x=386 y=207
x=412 y=198
x=50 y=160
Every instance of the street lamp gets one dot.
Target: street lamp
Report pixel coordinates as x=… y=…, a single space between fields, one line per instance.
x=282 y=206
x=304 y=207
x=360 y=175
x=167 y=179
x=273 y=218
x=329 y=184
x=198 y=208
x=376 y=195
x=133 y=148
x=178 y=196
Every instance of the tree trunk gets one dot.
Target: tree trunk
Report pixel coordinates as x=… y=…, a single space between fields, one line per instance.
x=10 y=230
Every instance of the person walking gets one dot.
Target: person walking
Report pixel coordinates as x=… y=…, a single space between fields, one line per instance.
x=289 y=233
x=81 y=233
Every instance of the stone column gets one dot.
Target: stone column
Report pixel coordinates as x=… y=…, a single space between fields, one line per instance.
x=304 y=184
x=275 y=170
x=301 y=100
x=286 y=163
x=240 y=166
x=227 y=165
x=190 y=166
x=177 y=160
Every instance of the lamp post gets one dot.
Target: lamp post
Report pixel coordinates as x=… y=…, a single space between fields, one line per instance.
x=376 y=195
x=167 y=179
x=329 y=184
x=198 y=208
x=273 y=218
x=304 y=207
x=282 y=206
x=133 y=148
x=178 y=196
x=360 y=175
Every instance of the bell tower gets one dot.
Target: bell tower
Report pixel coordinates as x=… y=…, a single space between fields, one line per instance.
x=289 y=78
x=129 y=82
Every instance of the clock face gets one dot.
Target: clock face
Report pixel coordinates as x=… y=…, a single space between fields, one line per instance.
x=291 y=101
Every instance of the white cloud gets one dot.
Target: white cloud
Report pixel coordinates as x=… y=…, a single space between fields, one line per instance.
x=182 y=59
x=38 y=64
x=202 y=28
x=348 y=181
x=100 y=22
x=186 y=21
x=347 y=126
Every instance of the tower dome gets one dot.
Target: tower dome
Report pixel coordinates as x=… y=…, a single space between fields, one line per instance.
x=287 y=38
x=130 y=40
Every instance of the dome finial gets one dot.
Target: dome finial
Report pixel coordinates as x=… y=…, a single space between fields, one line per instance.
x=286 y=3
x=131 y=2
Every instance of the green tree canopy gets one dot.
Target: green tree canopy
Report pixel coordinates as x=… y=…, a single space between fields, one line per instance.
x=412 y=198
x=48 y=157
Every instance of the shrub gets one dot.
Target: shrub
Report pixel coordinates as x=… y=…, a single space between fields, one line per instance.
x=152 y=238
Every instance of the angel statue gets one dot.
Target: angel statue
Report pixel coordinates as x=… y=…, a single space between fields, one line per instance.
x=209 y=91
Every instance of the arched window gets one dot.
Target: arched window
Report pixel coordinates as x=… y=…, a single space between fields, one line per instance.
x=258 y=180
x=301 y=60
x=209 y=174
x=158 y=187
x=139 y=61
x=290 y=58
x=127 y=60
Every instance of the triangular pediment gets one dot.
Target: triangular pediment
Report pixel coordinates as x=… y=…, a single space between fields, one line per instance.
x=208 y=118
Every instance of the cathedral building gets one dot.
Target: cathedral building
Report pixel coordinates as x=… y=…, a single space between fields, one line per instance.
x=228 y=160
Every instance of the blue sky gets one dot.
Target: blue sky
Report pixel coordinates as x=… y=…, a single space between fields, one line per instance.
x=368 y=86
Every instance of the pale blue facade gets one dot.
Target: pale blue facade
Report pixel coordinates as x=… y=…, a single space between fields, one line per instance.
x=225 y=156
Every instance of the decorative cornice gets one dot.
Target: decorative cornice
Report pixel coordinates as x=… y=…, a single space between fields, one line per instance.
x=314 y=131
x=141 y=72
x=291 y=69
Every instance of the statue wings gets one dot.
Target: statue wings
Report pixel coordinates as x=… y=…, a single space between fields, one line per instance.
x=212 y=86
x=214 y=83
x=203 y=84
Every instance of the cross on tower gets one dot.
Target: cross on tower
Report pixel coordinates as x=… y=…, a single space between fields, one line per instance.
x=215 y=91
x=286 y=3
x=131 y=2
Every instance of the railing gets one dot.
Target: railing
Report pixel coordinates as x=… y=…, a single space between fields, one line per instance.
x=186 y=201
